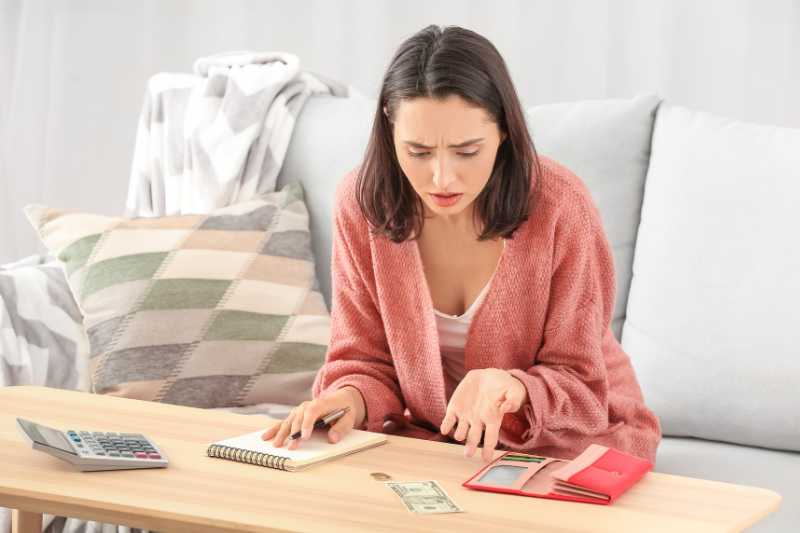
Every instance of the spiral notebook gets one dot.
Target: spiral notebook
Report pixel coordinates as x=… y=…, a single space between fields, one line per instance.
x=249 y=448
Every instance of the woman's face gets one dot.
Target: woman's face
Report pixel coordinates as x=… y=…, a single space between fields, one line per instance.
x=446 y=147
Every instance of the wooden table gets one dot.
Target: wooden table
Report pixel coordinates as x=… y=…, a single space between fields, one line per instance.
x=198 y=493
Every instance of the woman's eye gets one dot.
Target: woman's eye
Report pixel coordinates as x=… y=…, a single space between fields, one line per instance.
x=468 y=154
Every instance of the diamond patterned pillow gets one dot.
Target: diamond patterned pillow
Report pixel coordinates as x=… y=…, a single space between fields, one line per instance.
x=213 y=310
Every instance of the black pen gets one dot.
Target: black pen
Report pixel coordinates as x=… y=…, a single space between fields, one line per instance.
x=324 y=422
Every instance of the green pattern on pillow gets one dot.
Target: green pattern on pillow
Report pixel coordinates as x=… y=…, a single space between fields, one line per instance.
x=214 y=310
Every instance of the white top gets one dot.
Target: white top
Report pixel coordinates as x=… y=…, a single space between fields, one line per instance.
x=453 y=337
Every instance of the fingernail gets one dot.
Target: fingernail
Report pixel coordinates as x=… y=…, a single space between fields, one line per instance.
x=334 y=436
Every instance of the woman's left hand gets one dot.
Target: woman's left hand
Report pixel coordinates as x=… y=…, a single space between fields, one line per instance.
x=478 y=405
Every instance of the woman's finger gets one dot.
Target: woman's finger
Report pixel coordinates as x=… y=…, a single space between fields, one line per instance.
x=448 y=422
x=461 y=430
x=309 y=418
x=286 y=427
x=341 y=427
x=490 y=436
x=271 y=431
x=297 y=423
x=473 y=438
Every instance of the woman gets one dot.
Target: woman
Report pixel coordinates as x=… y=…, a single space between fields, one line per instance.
x=473 y=284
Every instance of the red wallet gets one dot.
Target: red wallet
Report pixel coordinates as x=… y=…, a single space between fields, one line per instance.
x=598 y=475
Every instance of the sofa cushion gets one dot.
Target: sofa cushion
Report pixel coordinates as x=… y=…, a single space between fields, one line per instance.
x=607 y=144
x=732 y=463
x=712 y=322
x=202 y=310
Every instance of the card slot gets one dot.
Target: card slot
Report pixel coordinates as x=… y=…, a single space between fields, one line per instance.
x=533 y=471
x=541 y=480
x=574 y=490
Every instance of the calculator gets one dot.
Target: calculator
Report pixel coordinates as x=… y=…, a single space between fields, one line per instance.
x=92 y=451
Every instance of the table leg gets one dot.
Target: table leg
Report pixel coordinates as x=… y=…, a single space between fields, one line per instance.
x=26 y=522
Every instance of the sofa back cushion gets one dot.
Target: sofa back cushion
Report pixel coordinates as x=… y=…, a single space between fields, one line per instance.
x=712 y=325
x=328 y=140
x=606 y=142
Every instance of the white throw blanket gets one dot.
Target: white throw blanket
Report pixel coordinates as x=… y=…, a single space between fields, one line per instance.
x=42 y=341
x=220 y=135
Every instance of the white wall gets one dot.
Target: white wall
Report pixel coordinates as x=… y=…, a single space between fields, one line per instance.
x=72 y=73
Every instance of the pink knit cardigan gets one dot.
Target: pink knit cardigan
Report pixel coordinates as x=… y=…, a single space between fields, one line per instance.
x=545 y=319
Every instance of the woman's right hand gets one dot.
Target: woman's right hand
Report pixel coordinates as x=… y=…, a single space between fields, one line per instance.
x=302 y=418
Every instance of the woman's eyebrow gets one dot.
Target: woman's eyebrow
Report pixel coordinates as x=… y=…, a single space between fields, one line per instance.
x=459 y=145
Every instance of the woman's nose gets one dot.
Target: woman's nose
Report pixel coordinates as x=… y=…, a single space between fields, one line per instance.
x=443 y=175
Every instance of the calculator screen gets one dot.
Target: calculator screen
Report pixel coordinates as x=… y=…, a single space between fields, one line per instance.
x=45 y=435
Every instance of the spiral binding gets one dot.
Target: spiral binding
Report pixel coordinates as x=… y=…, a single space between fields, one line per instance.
x=241 y=455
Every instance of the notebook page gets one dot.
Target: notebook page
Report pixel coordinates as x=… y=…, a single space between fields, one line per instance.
x=316 y=448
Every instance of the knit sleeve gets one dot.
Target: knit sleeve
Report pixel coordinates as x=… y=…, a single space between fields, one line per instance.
x=568 y=385
x=358 y=354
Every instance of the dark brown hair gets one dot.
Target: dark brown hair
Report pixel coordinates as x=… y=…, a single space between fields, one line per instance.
x=439 y=62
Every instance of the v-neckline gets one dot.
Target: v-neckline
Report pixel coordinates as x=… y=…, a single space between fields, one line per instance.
x=475 y=322
x=478 y=299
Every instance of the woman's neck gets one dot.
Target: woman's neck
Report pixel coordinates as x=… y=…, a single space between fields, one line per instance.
x=456 y=227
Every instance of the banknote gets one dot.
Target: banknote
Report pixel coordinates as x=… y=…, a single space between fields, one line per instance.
x=424 y=497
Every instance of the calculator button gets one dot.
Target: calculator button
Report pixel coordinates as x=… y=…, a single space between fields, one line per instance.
x=100 y=453
x=113 y=454
x=140 y=455
x=153 y=456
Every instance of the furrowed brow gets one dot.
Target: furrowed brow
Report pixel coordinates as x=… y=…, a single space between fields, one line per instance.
x=415 y=144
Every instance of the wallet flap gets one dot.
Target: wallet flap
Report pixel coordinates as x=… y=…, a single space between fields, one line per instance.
x=589 y=456
x=604 y=470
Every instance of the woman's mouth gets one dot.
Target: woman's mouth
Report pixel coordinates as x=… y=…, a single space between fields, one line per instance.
x=446 y=200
